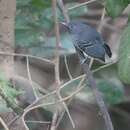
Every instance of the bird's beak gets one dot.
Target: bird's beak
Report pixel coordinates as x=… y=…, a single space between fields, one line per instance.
x=64 y=24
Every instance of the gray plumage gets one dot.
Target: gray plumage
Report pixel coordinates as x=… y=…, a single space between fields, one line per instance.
x=88 y=41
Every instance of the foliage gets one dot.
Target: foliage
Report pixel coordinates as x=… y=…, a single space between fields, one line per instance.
x=124 y=56
x=115 y=7
x=8 y=95
x=34 y=20
x=48 y=49
x=35 y=30
x=111 y=88
x=112 y=93
x=129 y=18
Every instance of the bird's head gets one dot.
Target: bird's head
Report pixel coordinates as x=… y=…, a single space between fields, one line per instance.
x=73 y=26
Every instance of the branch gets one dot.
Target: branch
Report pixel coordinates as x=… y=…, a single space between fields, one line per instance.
x=57 y=73
x=82 y=4
x=30 y=78
x=3 y=124
x=100 y=26
x=35 y=106
x=18 y=110
x=54 y=120
x=67 y=68
x=26 y=55
x=63 y=10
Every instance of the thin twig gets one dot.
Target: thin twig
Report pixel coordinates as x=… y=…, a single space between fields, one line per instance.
x=100 y=26
x=104 y=66
x=53 y=103
x=78 y=86
x=63 y=10
x=82 y=4
x=67 y=110
x=54 y=120
x=30 y=78
x=9 y=102
x=91 y=62
x=49 y=103
x=57 y=73
x=61 y=87
x=13 y=120
x=34 y=106
x=3 y=124
x=25 y=55
x=38 y=122
x=53 y=92
x=67 y=68
x=69 y=82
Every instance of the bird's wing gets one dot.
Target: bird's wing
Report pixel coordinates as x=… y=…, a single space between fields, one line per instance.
x=84 y=44
x=93 y=49
x=80 y=52
x=81 y=55
x=96 y=51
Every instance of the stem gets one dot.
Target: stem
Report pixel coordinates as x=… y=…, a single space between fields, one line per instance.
x=82 y=4
x=3 y=124
x=57 y=73
x=63 y=10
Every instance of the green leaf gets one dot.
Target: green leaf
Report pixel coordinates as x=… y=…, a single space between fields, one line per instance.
x=27 y=37
x=22 y=22
x=49 y=47
x=124 y=56
x=112 y=93
x=9 y=94
x=129 y=18
x=73 y=13
x=7 y=90
x=3 y=107
x=41 y=3
x=85 y=94
x=22 y=2
x=44 y=23
x=72 y=85
x=34 y=20
x=112 y=90
x=67 y=43
x=115 y=7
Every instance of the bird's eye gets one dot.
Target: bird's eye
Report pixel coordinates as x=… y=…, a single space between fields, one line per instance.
x=72 y=27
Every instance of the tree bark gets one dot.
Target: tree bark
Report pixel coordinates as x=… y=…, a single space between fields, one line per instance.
x=7 y=25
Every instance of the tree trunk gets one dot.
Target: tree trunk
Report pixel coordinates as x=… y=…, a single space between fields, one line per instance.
x=7 y=25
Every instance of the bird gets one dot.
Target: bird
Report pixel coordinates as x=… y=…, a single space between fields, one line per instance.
x=87 y=41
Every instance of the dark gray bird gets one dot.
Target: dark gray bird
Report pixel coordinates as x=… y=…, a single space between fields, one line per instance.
x=87 y=41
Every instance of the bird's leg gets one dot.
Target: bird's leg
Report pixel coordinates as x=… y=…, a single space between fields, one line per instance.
x=91 y=62
x=86 y=59
x=83 y=60
x=82 y=56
